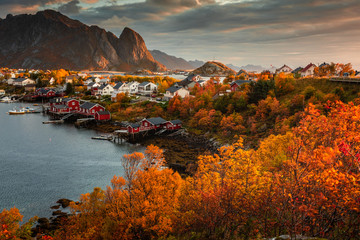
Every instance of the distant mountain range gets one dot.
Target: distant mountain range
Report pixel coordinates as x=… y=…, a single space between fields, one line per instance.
x=175 y=63
x=50 y=40
x=171 y=62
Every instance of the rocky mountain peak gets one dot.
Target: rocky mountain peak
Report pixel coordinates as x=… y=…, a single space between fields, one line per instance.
x=49 y=40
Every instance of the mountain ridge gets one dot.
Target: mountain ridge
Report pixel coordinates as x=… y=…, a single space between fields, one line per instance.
x=49 y=39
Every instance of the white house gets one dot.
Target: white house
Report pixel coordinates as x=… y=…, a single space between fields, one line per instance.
x=284 y=69
x=106 y=90
x=104 y=81
x=91 y=85
x=147 y=88
x=22 y=81
x=2 y=92
x=133 y=87
x=52 y=81
x=121 y=87
x=10 y=81
x=308 y=70
x=175 y=90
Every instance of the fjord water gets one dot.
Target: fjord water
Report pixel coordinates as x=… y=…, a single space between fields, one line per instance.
x=41 y=163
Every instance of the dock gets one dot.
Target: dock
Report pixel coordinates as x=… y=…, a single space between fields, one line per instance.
x=53 y=121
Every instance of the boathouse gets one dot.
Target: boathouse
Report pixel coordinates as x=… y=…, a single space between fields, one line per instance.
x=45 y=92
x=152 y=123
x=64 y=105
x=102 y=116
x=173 y=124
x=89 y=108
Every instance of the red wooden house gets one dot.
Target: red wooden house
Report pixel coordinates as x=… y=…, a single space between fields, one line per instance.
x=133 y=127
x=236 y=84
x=102 y=116
x=152 y=124
x=72 y=104
x=89 y=108
x=45 y=92
x=173 y=124
x=64 y=105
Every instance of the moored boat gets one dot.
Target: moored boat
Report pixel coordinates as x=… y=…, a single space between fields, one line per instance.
x=16 y=112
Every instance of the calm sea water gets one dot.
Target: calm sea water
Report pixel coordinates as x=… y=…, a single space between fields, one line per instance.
x=41 y=163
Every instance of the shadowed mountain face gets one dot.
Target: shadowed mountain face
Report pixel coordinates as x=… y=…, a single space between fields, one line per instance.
x=50 y=40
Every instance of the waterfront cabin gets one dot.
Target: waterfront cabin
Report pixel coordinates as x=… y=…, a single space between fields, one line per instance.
x=152 y=124
x=45 y=92
x=236 y=84
x=59 y=109
x=64 y=105
x=133 y=127
x=102 y=116
x=89 y=108
x=173 y=124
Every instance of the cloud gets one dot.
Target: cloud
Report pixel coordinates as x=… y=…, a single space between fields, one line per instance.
x=70 y=7
x=116 y=22
x=90 y=1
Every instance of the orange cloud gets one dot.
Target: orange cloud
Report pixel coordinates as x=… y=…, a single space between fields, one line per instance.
x=90 y=1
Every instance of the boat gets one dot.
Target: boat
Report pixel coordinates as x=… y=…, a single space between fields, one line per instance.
x=16 y=112
x=30 y=110
x=6 y=100
x=103 y=137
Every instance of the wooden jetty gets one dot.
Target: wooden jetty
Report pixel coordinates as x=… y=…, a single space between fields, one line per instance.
x=53 y=121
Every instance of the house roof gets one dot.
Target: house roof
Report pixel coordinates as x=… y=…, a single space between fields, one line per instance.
x=173 y=89
x=239 y=82
x=297 y=70
x=134 y=125
x=21 y=79
x=103 y=112
x=87 y=105
x=60 y=106
x=241 y=72
x=156 y=120
x=176 y=121
x=102 y=87
x=308 y=66
x=323 y=64
x=143 y=84
x=118 y=85
x=284 y=67
x=91 y=84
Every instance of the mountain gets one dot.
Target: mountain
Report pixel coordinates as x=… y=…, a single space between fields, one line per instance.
x=236 y=68
x=253 y=68
x=213 y=69
x=171 y=62
x=50 y=40
x=196 y=63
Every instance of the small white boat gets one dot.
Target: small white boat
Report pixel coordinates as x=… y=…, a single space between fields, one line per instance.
x=6 y=100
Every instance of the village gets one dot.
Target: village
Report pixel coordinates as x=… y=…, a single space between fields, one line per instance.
x=80 y=96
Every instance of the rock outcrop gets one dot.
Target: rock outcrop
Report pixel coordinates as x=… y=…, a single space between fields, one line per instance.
x=213 y=69
x=50 y=40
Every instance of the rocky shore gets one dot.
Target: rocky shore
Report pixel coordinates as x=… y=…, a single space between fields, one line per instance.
x=181 y=151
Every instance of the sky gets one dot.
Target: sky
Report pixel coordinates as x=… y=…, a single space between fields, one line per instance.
x=260 y=32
